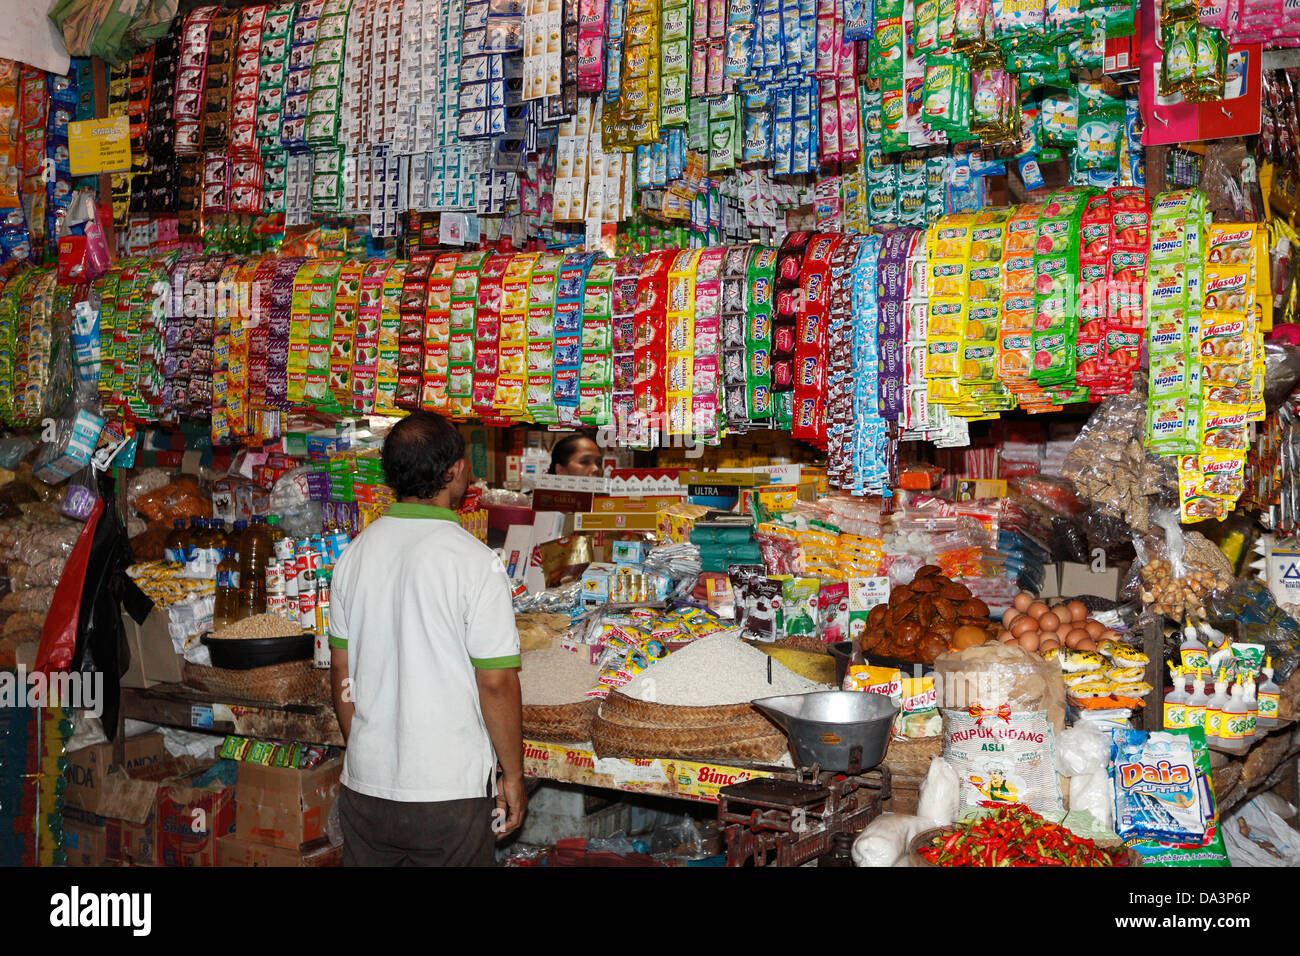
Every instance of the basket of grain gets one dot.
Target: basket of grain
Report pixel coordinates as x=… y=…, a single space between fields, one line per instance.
x=696 y=703
x=704 y=743
x=259 y=641
x=553 y=683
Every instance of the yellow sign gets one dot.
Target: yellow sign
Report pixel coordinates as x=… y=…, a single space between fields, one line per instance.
x=99 y=146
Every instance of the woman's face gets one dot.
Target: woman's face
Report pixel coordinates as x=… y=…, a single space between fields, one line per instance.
x=585 y=461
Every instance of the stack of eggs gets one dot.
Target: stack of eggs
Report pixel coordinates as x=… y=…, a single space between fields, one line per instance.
x=1037 y=628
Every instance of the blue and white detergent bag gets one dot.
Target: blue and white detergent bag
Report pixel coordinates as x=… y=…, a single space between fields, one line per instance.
x=1164 y=800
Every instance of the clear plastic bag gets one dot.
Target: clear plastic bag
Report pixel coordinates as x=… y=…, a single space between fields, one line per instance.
x=1082 y=754
x=13 y=450
x=180 y=499
x=682 y=838
x=290 y=499
x=884 y=841
x=940 y=794
x=80 y=495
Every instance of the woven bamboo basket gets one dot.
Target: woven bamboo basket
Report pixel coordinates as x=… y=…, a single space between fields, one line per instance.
x=639 y=712
x=297 y=682
x=755 y=725
x=560 y=723
x=613 y=740
x=912 y=757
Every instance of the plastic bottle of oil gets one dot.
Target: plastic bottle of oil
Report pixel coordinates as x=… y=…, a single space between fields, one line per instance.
x=177 y=546
x=255 y=550
x=273 y=526
x=226 y=609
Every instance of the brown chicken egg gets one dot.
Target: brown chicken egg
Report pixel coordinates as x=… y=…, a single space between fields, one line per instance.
x=1030 y=642
x=1074 y=636
x=1095 y=629
x=1022 y=602
x=1047 y=644
x=1036 y=610
x=1108 y=635
x=1010 y=616
x=1006 y=638
x=1022 y=626
x=1087 y=644
x=1078 y=611
x=1049 y=621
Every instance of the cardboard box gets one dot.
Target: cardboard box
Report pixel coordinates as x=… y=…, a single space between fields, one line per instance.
x=1051 y=582
x=616 y=522
x=1077 y=579
x=286 y=807
x=88 y=766
x=232 y=851
x=194 y=810
x=129 y=801
x=153 y=657
x=86 y=843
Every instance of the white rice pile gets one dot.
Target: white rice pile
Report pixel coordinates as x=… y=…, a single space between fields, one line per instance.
x=556 y=676
x=715 y=670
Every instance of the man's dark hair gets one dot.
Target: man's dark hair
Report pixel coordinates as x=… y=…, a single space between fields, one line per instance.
x=419 y=452
x=566 y=448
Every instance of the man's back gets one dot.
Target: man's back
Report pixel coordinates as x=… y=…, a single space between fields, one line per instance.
x=420 y=603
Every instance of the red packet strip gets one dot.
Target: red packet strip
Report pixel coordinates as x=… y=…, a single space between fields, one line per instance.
x=243 y=92
x=410 y=331
x=365 y=340
x=811 y=340
x=623 y=298
x=1130 y=239
x=487 y=335
x=650 y=354
x=437 y=335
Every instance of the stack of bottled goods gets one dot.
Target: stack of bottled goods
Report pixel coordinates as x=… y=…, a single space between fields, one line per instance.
x=259 y=569
x=1235 y=706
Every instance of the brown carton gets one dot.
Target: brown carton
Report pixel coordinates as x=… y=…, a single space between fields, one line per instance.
x=88 y=766
x=285 y=807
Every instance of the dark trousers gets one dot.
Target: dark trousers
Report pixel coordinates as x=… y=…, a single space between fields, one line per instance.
x=378 y=832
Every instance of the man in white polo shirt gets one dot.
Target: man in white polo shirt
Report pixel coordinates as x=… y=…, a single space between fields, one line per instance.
x=425 y=670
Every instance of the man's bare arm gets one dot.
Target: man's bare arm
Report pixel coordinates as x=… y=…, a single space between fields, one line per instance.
x=499 y=696
x=343 y=699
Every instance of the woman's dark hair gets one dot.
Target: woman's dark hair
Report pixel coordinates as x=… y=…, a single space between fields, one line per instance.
x=419 y=452
x=566 y=448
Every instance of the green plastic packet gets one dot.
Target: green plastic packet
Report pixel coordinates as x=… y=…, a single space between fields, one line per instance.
x=1059 y=117
x=925 y=26
x=886 y=48
x=1098 y=141
x=1178 y=62
x=945 y=77
x=799 y=606
x=1211 y=64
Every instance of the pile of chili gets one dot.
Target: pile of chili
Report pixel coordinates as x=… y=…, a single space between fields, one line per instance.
x=1016 y=836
